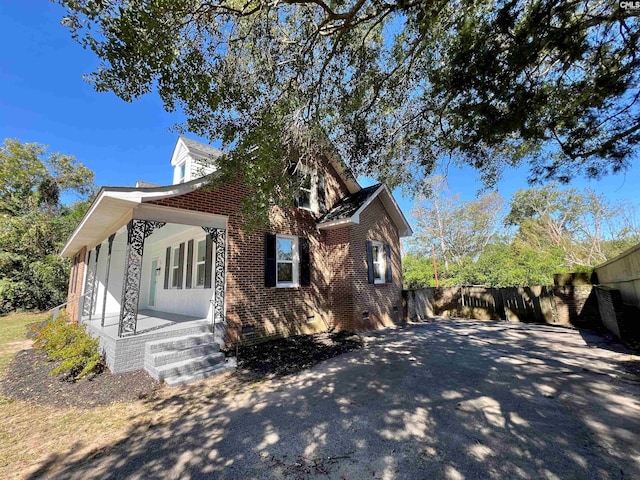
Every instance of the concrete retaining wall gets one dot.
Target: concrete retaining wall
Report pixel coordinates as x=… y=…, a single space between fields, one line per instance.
x=619 y=295
x=623 y=273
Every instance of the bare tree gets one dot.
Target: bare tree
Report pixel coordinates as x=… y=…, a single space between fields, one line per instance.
x=459 y=229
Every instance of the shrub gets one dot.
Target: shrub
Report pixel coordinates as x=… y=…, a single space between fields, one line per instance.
x=72 y=346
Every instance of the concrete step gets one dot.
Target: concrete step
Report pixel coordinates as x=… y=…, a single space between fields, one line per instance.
x=185 y=367
x=164 y=357
x=191 y=328
x=178 y=342
x=229 y=364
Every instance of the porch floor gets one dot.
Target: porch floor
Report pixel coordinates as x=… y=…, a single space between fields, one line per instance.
x=149 y=321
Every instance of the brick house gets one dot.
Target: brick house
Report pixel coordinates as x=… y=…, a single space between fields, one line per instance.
x=165 y=275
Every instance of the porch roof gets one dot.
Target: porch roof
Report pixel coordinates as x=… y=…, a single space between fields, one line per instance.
x=113 y=207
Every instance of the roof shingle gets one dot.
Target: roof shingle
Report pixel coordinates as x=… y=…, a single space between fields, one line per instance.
x=349 y=205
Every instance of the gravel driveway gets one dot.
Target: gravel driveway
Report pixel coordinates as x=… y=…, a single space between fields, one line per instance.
x=447 y=399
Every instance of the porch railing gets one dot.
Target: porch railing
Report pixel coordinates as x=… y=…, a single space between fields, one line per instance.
x=57 y=308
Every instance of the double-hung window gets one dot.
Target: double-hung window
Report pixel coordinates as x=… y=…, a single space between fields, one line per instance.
x=201 y=262
x=379 y=262
x=305 y=191
x=175 y=269
x=286 y=261
x=378 y=257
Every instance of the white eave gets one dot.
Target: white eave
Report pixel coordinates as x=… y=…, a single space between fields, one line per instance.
x=113 y=207
x=390 y=204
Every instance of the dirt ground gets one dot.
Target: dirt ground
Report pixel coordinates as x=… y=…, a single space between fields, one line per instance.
x=448 y=399
x=28 y=378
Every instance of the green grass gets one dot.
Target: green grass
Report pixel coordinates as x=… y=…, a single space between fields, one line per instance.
x=63 y=433
x=13 y=332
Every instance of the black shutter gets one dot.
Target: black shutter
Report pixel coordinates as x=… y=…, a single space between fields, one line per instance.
x=208 y=254
x=269 y=260
x=180 y=264
x=189 y=279
x=370 y=261
x=387 y=249
x=322 y=202
x=167 y=268
x=305 y=262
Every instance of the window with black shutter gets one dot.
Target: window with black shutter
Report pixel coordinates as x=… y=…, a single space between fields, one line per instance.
x=378 y=267
x=269 y=260
x=322 y=202
x=305 y=262
x=369 y=246
x=167 y=267
x=189 y=279
x=287 y=261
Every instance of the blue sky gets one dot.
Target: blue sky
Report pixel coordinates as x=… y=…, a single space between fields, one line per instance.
x=44 y=99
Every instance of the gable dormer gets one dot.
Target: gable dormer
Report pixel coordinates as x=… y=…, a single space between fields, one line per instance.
x=192 y=159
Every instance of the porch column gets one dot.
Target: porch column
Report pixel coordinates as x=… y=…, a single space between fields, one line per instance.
x=94 y=288
x=106 y=278
x=218 y=236
x=137 y=232
x=88 y=288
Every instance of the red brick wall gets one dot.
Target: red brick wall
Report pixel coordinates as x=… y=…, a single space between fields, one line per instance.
x=75 y=285
x=339 y=272
x=272 y=311
x=377 y=299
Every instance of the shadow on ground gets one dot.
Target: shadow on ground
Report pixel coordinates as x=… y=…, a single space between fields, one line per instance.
x=456 y=400
x=293 y=354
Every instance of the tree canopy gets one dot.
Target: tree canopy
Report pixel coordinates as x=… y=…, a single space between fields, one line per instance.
x=35 y=222
x=545 y=230
x=397 y=86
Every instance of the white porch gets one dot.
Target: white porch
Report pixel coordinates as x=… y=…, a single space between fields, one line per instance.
x=152 y=273
x=151 y=265
x=148 y=321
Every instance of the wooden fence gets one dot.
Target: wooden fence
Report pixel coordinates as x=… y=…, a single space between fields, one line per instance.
x=563 y=305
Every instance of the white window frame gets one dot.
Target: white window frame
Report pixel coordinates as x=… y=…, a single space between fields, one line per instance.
x=312 y=174
x=196 y=263
x=182 y=169
x=175 y=252
x=380 y=261
x=295 y=262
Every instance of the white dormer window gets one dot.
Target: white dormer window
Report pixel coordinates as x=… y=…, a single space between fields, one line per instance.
x=182 y=170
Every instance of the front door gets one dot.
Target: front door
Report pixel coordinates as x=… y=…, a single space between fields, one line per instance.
x=152 y=283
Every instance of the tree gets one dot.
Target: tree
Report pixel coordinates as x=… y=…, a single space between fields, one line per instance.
x=35 y=223
x=397 y=86
x=460 y=230
x=504 y=264
x=551 y=230
x=584 y=226
x=417 y=271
